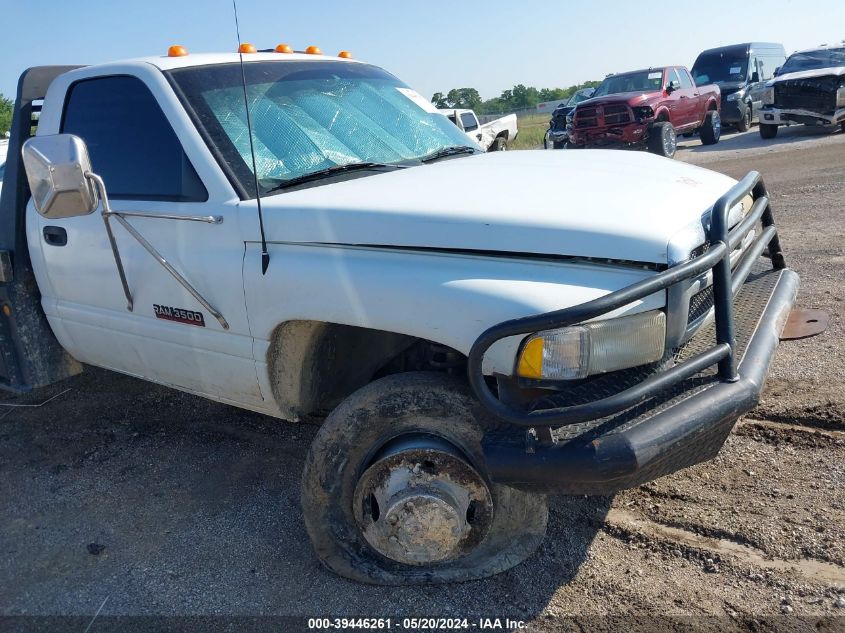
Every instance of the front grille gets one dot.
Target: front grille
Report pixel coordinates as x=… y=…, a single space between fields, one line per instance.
x=586 y=117
x=700 y=304
x=596 y=116
x=818 y=94
x=616 y=114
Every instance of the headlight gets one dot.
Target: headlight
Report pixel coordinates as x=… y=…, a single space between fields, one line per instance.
x=768 y=96
x=736 y=96
x=594 y=348
x=840 y=97
x=642 y=112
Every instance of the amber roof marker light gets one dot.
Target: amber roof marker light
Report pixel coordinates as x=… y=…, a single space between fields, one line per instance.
x=313 y=50
x=345 y=54
x=246 y=48
x=177 y=51
x=284 y=48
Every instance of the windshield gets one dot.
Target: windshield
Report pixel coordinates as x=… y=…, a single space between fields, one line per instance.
x=310 y=116
x=642 y=81
x=813 y=60
x=578 y=97
x=724 y=67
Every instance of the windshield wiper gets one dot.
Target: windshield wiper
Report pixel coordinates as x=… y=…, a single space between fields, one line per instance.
x=448 y=151
x=332 y=171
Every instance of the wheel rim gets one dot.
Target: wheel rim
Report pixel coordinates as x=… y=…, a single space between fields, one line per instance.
x=717 y=125
x=748 y=117
x=421 y=503
x=669 y=141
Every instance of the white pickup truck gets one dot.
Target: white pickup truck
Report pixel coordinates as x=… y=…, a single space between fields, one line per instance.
x=493 y=136
x=328 y=250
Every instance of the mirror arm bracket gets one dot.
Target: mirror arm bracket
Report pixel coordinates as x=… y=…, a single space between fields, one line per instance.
x=107 y=213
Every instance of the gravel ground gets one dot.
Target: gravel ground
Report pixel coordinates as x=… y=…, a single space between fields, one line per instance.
x=135 y=499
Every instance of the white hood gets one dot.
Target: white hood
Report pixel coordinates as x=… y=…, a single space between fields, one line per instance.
x=608 y=204
x=836 y=71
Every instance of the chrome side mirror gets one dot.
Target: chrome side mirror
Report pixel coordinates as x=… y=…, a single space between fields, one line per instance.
x=57 y=168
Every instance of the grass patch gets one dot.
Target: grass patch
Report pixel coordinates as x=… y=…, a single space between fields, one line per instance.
x=532 y=128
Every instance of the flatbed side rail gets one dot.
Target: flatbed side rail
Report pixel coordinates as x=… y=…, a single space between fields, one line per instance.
x=726 y=283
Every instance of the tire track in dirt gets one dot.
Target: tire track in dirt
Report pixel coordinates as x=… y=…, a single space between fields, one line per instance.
x=724 y=549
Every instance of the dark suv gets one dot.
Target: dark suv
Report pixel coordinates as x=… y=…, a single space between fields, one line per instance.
x=741 y=72
x=557 y=135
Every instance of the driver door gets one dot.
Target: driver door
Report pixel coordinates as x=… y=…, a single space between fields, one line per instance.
x=167 y=336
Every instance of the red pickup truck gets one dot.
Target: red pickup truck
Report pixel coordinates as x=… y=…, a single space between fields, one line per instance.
x=646 y=109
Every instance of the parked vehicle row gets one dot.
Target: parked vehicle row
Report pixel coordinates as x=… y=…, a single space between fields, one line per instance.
x=736 y=85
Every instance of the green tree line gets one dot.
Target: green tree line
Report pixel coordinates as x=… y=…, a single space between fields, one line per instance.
x=6 y=106
x=519 y=97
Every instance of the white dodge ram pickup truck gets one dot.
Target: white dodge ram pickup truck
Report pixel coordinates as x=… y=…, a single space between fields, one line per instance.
x=493 y=136
x=477 y=349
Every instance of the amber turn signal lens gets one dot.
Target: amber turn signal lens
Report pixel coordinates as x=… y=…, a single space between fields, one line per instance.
x=284 y=48
x=345 y=54
x=246 y=48
x=7 y=310
x=313 y=50
x=177 y=51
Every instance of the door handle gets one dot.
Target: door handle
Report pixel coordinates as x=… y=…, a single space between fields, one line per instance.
x=55 y=236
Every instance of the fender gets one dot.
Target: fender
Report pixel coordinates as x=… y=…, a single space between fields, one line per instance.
x=662 y=114
x=446 y=298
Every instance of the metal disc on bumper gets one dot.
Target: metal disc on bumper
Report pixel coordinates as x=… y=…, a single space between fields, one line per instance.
x=421 y=503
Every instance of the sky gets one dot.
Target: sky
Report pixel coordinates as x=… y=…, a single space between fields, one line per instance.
x=433 y=46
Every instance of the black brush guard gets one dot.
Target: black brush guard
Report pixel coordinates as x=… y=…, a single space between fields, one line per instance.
x=662 y=420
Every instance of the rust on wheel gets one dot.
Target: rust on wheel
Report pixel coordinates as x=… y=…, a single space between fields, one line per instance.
x=420 y=502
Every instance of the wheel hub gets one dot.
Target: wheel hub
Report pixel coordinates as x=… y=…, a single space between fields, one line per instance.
x=421 y=502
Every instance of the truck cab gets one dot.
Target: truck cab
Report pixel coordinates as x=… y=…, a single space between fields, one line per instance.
x=300 y=235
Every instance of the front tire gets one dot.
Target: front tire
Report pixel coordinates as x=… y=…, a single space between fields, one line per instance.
x=744 y=122
x=560 y=144
x=379 y=498
x=711 y=130
x=662 y=139
x=768 y=130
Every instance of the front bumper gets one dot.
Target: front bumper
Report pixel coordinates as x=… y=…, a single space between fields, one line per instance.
x=732 y=111
x=625 y=428
x=782 y=116
x=679 y=427
x=627 y=134
x=558 y=136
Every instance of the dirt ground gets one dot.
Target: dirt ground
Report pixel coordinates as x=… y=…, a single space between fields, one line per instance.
x=119 y=497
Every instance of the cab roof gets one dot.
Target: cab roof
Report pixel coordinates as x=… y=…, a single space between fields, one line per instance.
x=164 y=62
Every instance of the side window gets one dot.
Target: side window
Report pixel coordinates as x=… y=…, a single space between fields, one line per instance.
x=131 y=143
x=686 y=82
x=673 y=76
x=469 y=121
